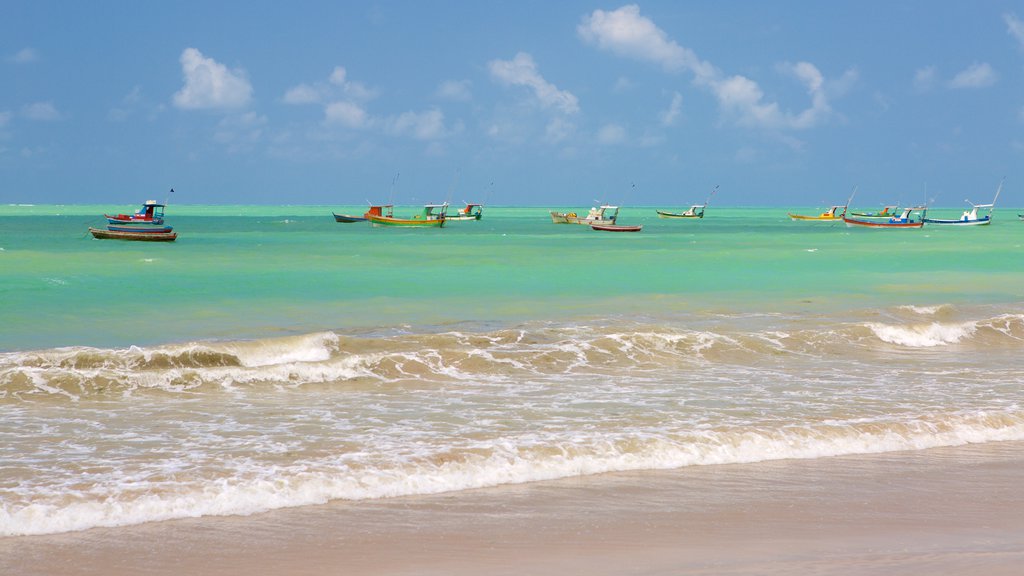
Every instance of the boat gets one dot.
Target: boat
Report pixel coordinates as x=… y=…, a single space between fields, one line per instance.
x=695 y=211
x=970 y=217
x=433 y=216
x=903 y=221
x=885 y=212
x=140 y=229
x=616 y=228
x=826 y=216
x=150 y=213
x=135 y=235
x=469 y=212
x=346 y=219
x=597 y=215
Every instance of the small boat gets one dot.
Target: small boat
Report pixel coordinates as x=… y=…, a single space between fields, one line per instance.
x=469 y=212
x=695 y=211
x=150 y=213
x=598 y=215
x=616 y=228
x=135 y=235
x=140 y=229
x=970 y=217
x=433 y=216
x=885 y=212
x=826 y=216
x=903 y=221
x=346 y=219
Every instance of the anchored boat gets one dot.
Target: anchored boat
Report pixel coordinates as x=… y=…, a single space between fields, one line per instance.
x=903 y=221
x=603 y=215
x=433 y=216
x=970 y=217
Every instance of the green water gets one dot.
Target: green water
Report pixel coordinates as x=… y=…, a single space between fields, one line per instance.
x=259 y=271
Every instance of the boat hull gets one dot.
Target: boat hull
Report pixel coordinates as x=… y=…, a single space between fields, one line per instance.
x=462 y=217
x=662 y=214
x=124 y=219
x=851 y=223
x=616 y=228
x=979 y=222
x=136 y=229
x=802 y=218
x=346 y=219
x=138 y=236
x=405 y=222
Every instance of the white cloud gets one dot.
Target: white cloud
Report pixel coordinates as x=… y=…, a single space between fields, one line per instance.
x=1015 y=27
x=303 y=94
x=347 y=114
x=209 y=84
x=558 y=129
x=522 y=71
x=975 y=76
x=456 y=90
x=611 y=134
x=43 y=111
x=626 y=33
x=338 y=76
x=24 y=56
x=427 y=125
x=925 y=77
x=670 y=116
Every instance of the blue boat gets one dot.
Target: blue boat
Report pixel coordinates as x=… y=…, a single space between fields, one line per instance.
x=141 y=229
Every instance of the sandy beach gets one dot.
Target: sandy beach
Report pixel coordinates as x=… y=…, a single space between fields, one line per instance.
x=941 y=511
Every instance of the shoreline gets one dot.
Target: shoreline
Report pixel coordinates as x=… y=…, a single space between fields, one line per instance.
x=939 y=511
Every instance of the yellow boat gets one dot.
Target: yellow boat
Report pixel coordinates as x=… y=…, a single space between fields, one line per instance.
x=826 y=216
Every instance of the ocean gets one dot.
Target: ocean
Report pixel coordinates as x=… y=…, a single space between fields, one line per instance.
x=271 y=358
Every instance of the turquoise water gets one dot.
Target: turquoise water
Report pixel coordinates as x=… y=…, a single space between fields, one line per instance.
x=273 y=358
x=257 y=271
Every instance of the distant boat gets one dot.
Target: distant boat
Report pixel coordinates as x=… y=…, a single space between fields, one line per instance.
x=826 y=216
x=886 y=212
x=469 y=212
x=695 y=211
x=598 y=215
x=970 y=217
x=346 y=219
x=150 y=213
x=433 y=216
x=903 y=221
x=616 y=228
x=134 y=235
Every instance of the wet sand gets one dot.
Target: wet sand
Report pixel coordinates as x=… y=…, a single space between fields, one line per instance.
x=944 y=511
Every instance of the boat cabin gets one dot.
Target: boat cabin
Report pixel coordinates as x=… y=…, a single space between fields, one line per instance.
x=696 y=210
x=601 y=213
x=831 y=212
x=383 y=210
x=433 y=212
x=472 y=210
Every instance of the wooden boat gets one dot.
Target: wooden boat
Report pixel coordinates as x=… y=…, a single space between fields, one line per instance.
x=970 y=217
x=597 y=215
x=150 y=213
x=140 y=236
x=433 y=216
x=903 y=221
x=469 y=212
x=616 y=228
x=346 y=219
x=139 y=229
x=695 y=211
x=885 y=212
x=826 y=216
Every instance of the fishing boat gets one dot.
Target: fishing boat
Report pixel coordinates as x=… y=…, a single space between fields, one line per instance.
x=469 y=212
x=903 y=221
x=695 y=211
x=150 y=213
x=829 y=215
x=133 y=235
x=885 y=212
x=616 y=228
x=970 y=217
x=432 y=216
x=597 y=215
x=346 y=219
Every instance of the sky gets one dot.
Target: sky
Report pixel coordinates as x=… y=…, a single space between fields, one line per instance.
x=786 y=102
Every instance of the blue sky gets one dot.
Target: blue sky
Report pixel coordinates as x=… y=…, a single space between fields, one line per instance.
x=524 y=103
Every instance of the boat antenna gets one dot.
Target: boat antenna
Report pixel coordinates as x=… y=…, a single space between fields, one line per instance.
x=394 y=182
x=167 y=200
x=998 y=190
x=712 y=195
x=451 y=190
x=849 y=201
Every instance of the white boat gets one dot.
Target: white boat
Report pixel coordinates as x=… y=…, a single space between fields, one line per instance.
x=470 y=212
x=695 y=210
x=597 y=215
x=970 y=217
